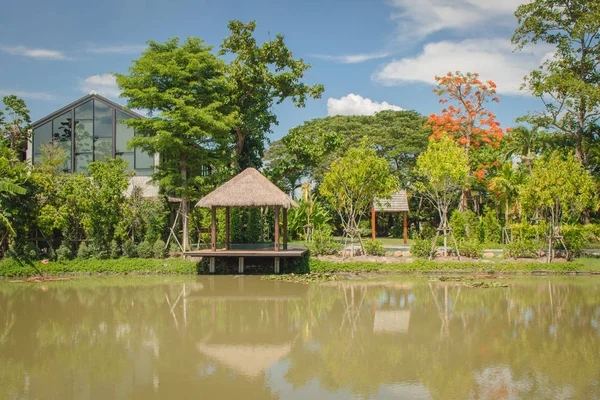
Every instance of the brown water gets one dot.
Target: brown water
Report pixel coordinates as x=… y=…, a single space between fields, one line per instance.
x=243 y=338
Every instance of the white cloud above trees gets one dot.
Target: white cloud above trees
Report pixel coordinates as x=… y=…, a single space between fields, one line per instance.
x=105 y=85
x=354 y=104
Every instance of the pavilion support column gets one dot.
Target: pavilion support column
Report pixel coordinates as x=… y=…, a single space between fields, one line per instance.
x=213 y=229
x=405 y=233
x=227 y=229
x=373 y=223
x=276 y=228
x=285 y=228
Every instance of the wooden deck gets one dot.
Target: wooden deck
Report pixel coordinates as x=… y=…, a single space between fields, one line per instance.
x=242 y=253
x=247 y=253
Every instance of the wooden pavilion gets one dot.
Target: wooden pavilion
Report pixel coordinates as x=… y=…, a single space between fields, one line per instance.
x=397 y=203
x=247 y=189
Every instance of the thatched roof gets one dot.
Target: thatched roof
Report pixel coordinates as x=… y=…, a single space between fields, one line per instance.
x=247 y=189
x=398 y=202
x=247 y=360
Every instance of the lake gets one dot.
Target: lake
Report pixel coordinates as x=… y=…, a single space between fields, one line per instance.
x=228 y=337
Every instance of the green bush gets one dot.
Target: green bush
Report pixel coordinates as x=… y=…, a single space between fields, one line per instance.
x=323 y=243
x=491 y=227
x=64 y=252
x=129 y=249
x=575 y=239
x=522 y=248
x=144 y=250
x=470 y=248
x=115 y=249
x=422 y=247
x=374 y=248
x=465 y=225
x=159 y=249
x=84 y=251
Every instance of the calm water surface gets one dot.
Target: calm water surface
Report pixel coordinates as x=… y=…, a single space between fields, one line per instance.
x=242 y=338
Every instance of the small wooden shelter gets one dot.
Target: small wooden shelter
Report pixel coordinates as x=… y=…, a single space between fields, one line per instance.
x=248 y=189
x=397 y=203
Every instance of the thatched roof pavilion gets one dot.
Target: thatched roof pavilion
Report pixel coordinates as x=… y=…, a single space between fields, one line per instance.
x=247 y=189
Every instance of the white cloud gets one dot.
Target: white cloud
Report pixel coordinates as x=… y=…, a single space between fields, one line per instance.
x=424 y=17
x=352 y=58
x=354 y=104
x=493 y=59
x=105 y=84
x=29 y=95
x=34 y=53
x=118 y=49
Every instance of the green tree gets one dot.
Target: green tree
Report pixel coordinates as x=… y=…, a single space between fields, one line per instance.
x=561 y=190
x=261 y=76
x=352 y=184
x=17 y=127
x=185 y=89
x=505 y=187
x=567 y=82
x=443 y=169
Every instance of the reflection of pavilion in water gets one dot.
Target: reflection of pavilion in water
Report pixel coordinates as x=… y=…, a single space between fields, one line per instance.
x=250 y=329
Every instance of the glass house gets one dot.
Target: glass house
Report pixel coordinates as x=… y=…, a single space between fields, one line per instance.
x=90 y=129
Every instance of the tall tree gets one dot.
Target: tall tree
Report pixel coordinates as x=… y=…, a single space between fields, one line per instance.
x=561 y=190
x=354 y=182
x=443 y=168
x=466 y=118
x=15 y=123
x=185 y=89
x=261 y=76
x=568 y=82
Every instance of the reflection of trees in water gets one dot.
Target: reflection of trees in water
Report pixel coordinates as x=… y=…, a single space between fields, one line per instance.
x=535 y=339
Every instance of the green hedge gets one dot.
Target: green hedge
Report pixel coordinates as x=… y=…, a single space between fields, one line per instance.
x=319 y=266
x=175 y=266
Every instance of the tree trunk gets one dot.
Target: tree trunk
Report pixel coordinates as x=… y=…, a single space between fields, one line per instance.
x=240 y=140
x=184 y=215
x=464 y=200
x=506 y=213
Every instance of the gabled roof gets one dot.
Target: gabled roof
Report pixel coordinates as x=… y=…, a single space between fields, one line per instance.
x=247 y=189
x=397 y=203
x=76 y=103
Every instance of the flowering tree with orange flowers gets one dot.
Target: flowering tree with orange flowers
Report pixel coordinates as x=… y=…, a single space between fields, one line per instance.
x=466 y=118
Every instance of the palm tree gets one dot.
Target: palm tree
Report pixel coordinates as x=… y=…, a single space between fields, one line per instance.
x=525 y=143
x=505 y=186
x=8 y=188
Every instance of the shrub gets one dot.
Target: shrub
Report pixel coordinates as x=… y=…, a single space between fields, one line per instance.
x=491 y=227
x=470 y=248
x=84 y=251
x=174 y=248
x=129 y=249
x=465 y=225
x=158 y=249
x=144 y=250
x=115 y=249
x=323 y=243
x=575 y=239
x=64 y=252
x=374 y=248
x=422 y=248
x=522 y=248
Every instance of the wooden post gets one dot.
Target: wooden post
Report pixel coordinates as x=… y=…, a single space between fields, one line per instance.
x=373 y=223
x=277 y=259
x=285 y=229
x=241 y=265
x=213 y=230
x=227 y=229
x=211 y=265
x=405 y=228
x=276 y=228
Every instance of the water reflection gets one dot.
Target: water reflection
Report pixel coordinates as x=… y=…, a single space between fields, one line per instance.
x=240 y=337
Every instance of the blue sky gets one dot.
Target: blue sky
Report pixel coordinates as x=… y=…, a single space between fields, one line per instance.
x=370 y=55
